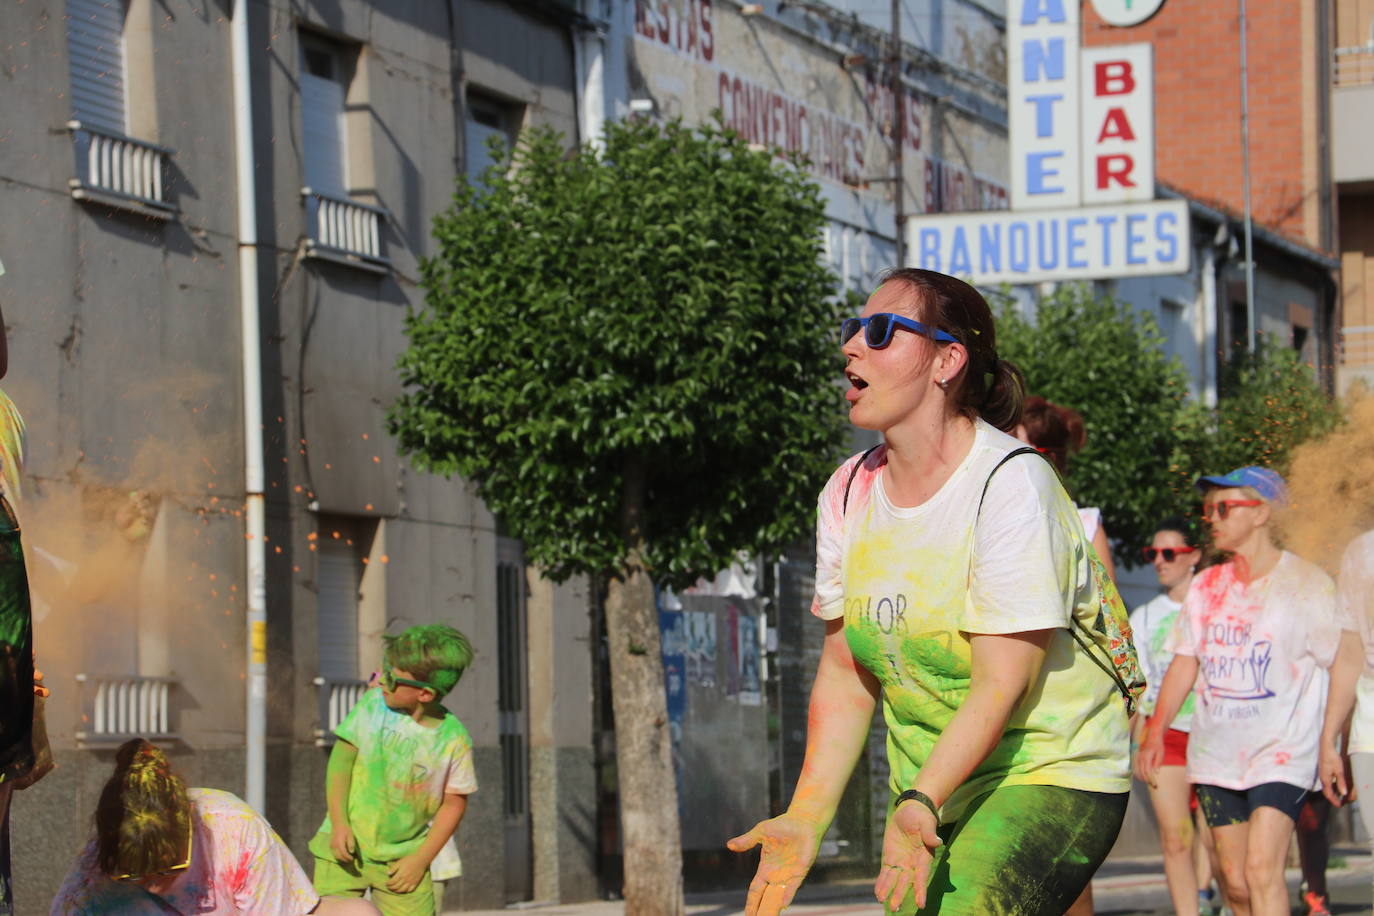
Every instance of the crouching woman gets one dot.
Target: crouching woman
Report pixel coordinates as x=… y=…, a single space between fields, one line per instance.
x=162 y=848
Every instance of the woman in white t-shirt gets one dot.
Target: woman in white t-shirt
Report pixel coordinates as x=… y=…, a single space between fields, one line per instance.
x=1257 y=636
x=1356 y=604
x=948 y=573
x=1187 y=865
x=1057 y=432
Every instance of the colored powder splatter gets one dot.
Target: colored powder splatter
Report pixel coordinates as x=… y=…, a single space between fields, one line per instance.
x=1331 y=489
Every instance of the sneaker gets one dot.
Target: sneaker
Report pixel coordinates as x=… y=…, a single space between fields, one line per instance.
x=1316 y=904
x=1206 y=902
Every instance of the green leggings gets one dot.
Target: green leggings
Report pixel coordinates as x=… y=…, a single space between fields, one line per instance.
x=1021 y=851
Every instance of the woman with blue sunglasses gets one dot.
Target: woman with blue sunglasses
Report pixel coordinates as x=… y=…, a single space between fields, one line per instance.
x=950 y=568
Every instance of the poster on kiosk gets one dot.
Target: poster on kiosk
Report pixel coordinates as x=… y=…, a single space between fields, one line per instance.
x=1081 y=134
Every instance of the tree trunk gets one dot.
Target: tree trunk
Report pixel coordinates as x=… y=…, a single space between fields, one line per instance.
x=643 y=739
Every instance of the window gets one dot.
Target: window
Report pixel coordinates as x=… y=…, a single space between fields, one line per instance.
x=95 y=52
x=338 y=228
x=487 y=116
x=1240 y=327
x=324 y=78
x=1171 y=324
x=341 y=545
x=112 y=168
x=1300 y=335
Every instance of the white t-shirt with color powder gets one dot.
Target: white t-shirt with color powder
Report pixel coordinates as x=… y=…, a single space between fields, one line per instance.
x=239 y=867
x=400 y=777
x=1091 y=517
x=1151 y=624
x=912 y=583
x=1356 y=596
x=1263 y=650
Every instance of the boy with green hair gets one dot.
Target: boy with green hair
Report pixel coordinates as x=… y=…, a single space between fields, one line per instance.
x=398 y=777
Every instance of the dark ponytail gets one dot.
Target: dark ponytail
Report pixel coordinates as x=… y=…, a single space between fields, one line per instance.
x=143 y=818
x=1056 y=431
x=1004 y=396
x=988 y=387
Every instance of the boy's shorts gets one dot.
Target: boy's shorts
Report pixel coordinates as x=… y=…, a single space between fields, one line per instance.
x=335 y=880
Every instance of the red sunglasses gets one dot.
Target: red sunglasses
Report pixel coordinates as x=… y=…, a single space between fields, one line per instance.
x=1222 y=507
x=1169 y=553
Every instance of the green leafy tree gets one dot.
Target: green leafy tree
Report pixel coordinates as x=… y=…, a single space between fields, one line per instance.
x=1106 y=360
x=1147 y=443
x=629 y=352
x=1269 y=404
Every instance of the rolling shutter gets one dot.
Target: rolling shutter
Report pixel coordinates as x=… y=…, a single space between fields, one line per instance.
x=339 y=576
x=95 y=51
x=322 y=110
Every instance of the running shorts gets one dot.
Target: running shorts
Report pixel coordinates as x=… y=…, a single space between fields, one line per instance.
x=1021 y=851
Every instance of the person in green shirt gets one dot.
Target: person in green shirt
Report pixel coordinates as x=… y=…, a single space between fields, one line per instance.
x=398 y=777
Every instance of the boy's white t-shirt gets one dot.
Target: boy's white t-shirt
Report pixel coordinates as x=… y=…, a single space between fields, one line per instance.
x=400 y=777
x=1151 y=624
x=913 y=583
x=1263 y=650
x=1356 y=597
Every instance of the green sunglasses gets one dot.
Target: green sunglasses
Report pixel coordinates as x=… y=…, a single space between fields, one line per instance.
x=390 y=680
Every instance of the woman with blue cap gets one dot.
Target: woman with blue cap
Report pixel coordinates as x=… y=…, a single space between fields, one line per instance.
x=1260 y=639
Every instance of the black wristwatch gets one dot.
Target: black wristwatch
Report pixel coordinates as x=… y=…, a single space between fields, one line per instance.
x=923 y=798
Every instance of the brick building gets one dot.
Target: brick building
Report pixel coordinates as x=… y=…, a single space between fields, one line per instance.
x=1199 y=154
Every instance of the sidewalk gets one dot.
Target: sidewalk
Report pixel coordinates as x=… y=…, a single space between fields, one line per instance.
x=1123 y=887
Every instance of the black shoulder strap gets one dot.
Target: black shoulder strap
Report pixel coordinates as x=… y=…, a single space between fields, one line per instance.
x=854 y=472
x=1077 y=625
x=1023 y=450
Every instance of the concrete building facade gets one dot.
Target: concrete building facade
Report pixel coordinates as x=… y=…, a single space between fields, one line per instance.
x=122 y=294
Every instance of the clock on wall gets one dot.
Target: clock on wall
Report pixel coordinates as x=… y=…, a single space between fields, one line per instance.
x=1126 y=12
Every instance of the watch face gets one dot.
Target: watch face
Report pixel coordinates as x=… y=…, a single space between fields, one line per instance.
x=1126 y=12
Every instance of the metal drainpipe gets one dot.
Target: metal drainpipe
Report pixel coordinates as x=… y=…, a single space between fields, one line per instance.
x=255 y=728
x=1210 y=268
x=589 y=52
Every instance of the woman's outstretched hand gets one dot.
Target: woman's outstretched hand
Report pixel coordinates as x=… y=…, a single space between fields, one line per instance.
x=789 y=848
x=909 y=845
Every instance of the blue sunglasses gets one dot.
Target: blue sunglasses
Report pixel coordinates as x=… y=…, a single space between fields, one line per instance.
x=878 y=329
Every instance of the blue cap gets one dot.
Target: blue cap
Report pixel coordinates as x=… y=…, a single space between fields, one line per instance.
x=1263 y=481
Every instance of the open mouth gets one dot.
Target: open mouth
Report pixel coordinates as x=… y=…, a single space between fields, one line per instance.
x=855 y=380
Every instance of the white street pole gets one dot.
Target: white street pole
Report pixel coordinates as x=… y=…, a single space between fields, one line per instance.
x=255 y=727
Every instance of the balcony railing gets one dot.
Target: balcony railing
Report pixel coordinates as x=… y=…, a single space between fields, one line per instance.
x=119 y=171
x=337 y=697
x=345 y=231
x=118 y=708
x=1353 y=66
